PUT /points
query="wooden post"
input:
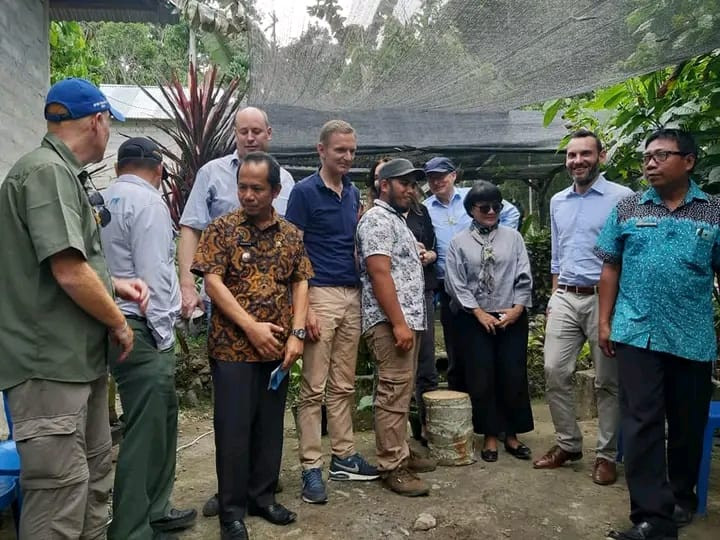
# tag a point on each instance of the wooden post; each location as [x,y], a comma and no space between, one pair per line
[449,427]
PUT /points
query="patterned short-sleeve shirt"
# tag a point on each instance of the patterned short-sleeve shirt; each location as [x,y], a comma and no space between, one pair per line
[383,231]
[258,267]
[667,260]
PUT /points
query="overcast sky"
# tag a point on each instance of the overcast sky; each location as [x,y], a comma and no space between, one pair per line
[293,18]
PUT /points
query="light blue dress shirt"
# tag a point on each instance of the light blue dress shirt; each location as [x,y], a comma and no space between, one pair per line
[668,260]
[576,221]
[450,219]
[139,242]
[214,192]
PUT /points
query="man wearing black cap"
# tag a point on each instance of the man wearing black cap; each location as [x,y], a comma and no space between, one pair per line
[139,243]
[393,315]
[56,315]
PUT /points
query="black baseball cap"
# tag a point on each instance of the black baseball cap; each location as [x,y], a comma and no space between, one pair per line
[398,167]
[140,148]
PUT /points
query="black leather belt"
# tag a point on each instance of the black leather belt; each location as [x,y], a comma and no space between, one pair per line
[578,289]
[134,317]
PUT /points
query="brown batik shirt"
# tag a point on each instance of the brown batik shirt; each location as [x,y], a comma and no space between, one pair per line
[258,267]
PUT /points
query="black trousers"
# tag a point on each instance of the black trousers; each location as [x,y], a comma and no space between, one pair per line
[494,372]
[249,423]
[426,378]
[447,319]
[654,387]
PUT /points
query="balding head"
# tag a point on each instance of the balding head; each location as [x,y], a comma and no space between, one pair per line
[252,131]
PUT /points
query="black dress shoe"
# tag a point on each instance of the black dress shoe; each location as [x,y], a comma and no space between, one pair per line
[212,507]
[275,513]
[643,531]
[174,520]
[681,516]
[520,451]
[490,456]
[233,530]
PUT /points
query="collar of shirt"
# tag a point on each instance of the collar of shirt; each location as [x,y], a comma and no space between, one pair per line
[387,207]
[136,180]
[694,192]
[243,218]
[320,184]
[437,202]
[56,144]
[598,186]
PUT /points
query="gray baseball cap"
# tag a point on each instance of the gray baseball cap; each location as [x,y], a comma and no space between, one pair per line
[401,167]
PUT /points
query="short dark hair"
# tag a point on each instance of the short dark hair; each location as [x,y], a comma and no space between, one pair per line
[582,133]
[370,182]
[272,165]
[481,191]
[684,140]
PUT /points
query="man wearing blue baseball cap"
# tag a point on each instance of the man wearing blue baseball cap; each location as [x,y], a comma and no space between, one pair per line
[449,217]
[56,317]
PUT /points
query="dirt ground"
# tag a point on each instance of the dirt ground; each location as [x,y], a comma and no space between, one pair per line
[498,501]
[502,500]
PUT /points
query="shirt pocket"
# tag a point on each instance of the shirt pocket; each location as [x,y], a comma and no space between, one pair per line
[700,259]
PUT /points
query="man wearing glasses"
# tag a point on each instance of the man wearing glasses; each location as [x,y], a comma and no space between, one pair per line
[660,251]
[449,217]
[577,214]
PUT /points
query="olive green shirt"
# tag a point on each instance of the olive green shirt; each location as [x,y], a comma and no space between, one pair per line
[44,209]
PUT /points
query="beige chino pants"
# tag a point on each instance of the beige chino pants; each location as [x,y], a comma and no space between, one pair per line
[573,319]
[328,371]
[396,379]
[62,433]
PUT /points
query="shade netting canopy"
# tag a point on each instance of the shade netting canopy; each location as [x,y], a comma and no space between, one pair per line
[414,63]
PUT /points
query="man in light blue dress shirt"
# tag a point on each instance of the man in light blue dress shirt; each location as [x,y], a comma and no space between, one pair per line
[449,217]
[577,215]
[139,242]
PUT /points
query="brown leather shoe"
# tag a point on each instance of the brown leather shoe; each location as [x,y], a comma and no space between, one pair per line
[604,472]
[555,457]
[421,464]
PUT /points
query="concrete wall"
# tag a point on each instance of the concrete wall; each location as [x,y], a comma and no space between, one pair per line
[25,69]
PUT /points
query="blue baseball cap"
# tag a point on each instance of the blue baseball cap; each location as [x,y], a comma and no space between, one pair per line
[439,164]
[81,98]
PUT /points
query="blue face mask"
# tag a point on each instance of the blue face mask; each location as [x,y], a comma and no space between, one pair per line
[276,378]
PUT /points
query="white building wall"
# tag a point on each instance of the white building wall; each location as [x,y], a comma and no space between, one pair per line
[25,69]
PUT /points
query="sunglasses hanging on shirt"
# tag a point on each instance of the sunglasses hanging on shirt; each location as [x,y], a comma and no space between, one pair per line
[96,200]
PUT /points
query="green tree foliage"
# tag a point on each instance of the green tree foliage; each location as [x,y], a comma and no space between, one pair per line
[686,96]
[70,54]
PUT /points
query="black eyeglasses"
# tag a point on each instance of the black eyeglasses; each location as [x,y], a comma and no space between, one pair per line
[485,208]
[661,156]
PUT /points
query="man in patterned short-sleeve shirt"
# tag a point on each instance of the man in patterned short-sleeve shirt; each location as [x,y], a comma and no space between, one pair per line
[393,314]
[661,251]
[254,264]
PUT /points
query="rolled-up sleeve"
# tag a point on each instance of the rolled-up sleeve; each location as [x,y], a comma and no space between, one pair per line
[554,244]
[522,291]
[152,248]
[456,279]
[609,245]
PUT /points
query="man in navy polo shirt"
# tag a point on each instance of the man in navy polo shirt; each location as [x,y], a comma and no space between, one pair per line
[325,207]
[661,251]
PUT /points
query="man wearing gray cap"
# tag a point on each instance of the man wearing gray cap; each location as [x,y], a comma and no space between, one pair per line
[56,315]
[393,315]
[139,242]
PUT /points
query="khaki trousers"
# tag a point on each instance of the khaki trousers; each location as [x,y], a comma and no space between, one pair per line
[396,379]
[328,371]
[573,319]
[62,433]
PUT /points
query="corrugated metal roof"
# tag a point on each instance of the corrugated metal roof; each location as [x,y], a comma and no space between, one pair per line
[133,102]
[155,11]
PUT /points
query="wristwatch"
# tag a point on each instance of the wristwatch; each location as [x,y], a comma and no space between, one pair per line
[299,333]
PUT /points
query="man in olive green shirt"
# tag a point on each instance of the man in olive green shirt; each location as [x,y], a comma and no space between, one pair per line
[56,314]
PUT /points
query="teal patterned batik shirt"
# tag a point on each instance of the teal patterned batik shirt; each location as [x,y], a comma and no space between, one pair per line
[668,260]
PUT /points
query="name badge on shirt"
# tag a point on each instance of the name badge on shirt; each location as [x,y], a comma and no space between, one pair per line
[646,224]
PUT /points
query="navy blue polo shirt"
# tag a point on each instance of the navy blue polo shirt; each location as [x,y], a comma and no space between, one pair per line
[328,223]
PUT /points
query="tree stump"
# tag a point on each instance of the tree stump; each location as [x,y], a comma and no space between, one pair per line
[585,399]
[449,427]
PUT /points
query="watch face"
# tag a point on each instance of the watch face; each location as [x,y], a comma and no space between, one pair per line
[299,333]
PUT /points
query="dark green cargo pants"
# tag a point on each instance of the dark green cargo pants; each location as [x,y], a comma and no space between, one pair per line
[145,469]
